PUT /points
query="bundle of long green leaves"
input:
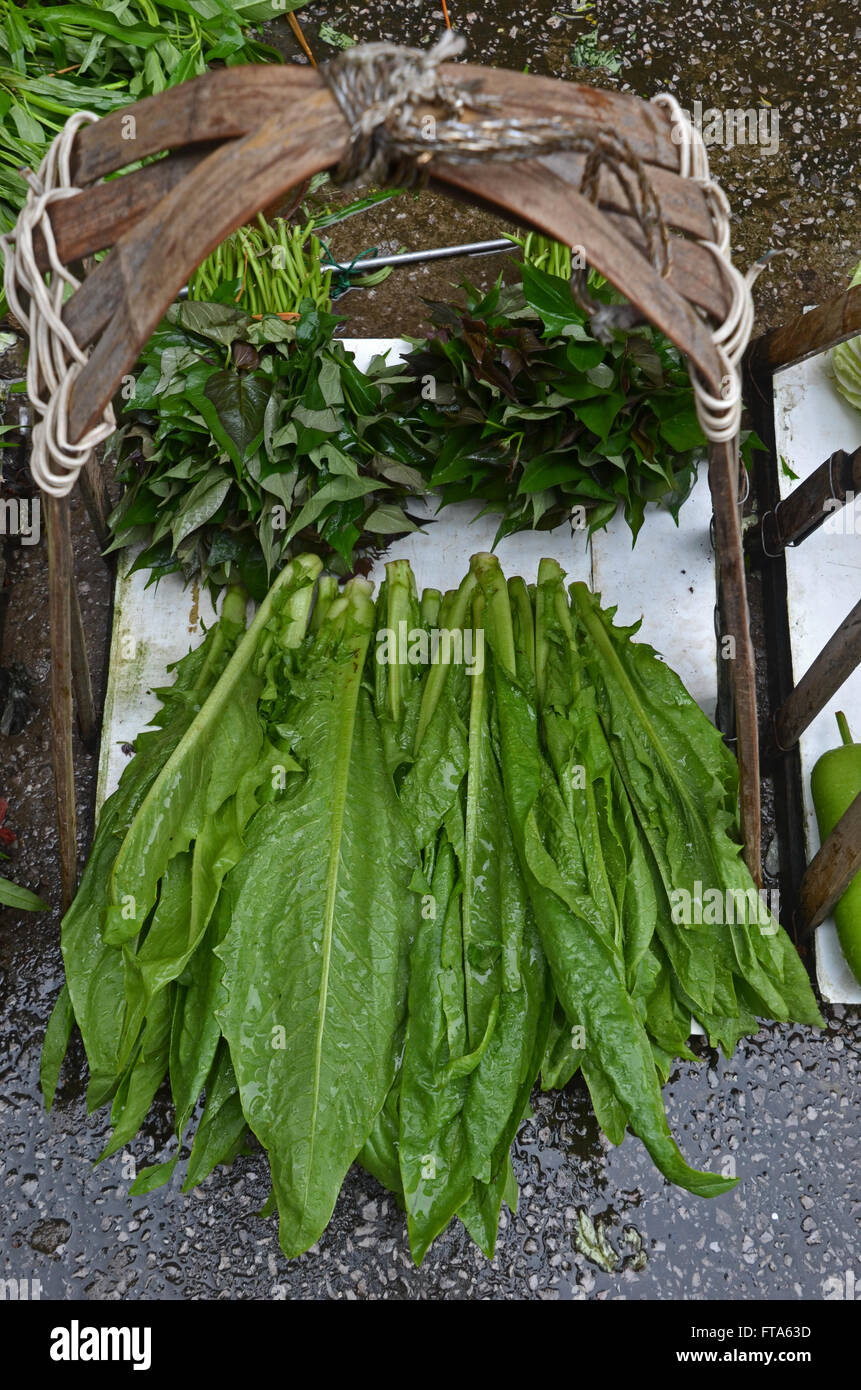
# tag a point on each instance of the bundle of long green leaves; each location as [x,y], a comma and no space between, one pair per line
[248,440]
[524,407]
[378,867]
[100,54]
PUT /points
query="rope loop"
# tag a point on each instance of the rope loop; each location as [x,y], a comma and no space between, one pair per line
[719,416]
[55,360]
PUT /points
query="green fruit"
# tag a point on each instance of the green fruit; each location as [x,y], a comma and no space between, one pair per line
[835,783]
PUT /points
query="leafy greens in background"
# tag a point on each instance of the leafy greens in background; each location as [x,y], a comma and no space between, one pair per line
[21,899]
[102,54]
[358,907]
[532,414]
[247,441]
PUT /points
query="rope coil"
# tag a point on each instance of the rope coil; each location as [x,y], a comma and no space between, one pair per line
[380,87]
[719,416]
[55,359]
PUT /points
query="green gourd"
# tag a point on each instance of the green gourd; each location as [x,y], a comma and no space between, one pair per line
[835,783]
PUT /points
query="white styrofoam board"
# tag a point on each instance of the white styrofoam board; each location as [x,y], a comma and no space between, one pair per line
[668,579]
[823,577]
[152,628]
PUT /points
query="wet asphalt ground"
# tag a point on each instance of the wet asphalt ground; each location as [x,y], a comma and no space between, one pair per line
[594,1222]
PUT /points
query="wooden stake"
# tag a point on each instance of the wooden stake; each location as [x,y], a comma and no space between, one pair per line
[83,686]
[60,581]
[95,496]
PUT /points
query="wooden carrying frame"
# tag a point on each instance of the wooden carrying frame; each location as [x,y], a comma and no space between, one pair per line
[812,893]
[239,138]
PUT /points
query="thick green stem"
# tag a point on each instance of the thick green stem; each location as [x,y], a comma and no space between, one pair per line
[472,814]
[401,601]
[524,622]
[327,592]
[430,607]
[455,612]
[843,726]
[497,619]
[550,573]
[232,611]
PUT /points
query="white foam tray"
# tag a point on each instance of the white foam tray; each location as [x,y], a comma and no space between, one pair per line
[823,577]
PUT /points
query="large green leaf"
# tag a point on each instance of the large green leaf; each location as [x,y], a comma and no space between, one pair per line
[223,742]
[315,958]
[682,781]
[478,1001]
[587,971]
[96,970]
[240,399]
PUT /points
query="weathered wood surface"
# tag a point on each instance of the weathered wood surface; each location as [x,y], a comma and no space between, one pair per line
[228,104]
[543,198]
[128,293]
[823,678]
[99,216]
[807,334]
[197,205]
[734,623]
[809,505]
[60,582]
[82,685]
[832,868]
[96,498]
[222,105]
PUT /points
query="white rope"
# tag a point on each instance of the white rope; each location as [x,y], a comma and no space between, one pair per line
[55,359]
[719,416]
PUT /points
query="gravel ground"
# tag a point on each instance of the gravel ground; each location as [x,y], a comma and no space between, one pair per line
[594,1222]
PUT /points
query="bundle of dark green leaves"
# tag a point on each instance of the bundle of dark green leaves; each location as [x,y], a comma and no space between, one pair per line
[377,867]
[525,408]
[247,440]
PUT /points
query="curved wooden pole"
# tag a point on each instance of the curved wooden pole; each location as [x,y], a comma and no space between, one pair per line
[735,624]
[100,216]
[539,196]
[61,579]
[226,105]
[166,245]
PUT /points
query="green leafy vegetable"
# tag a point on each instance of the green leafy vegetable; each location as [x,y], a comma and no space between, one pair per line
[102,54]
[247,442]
[21,899]
[315,958]
[267,268]
[377,868]
[531,413]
